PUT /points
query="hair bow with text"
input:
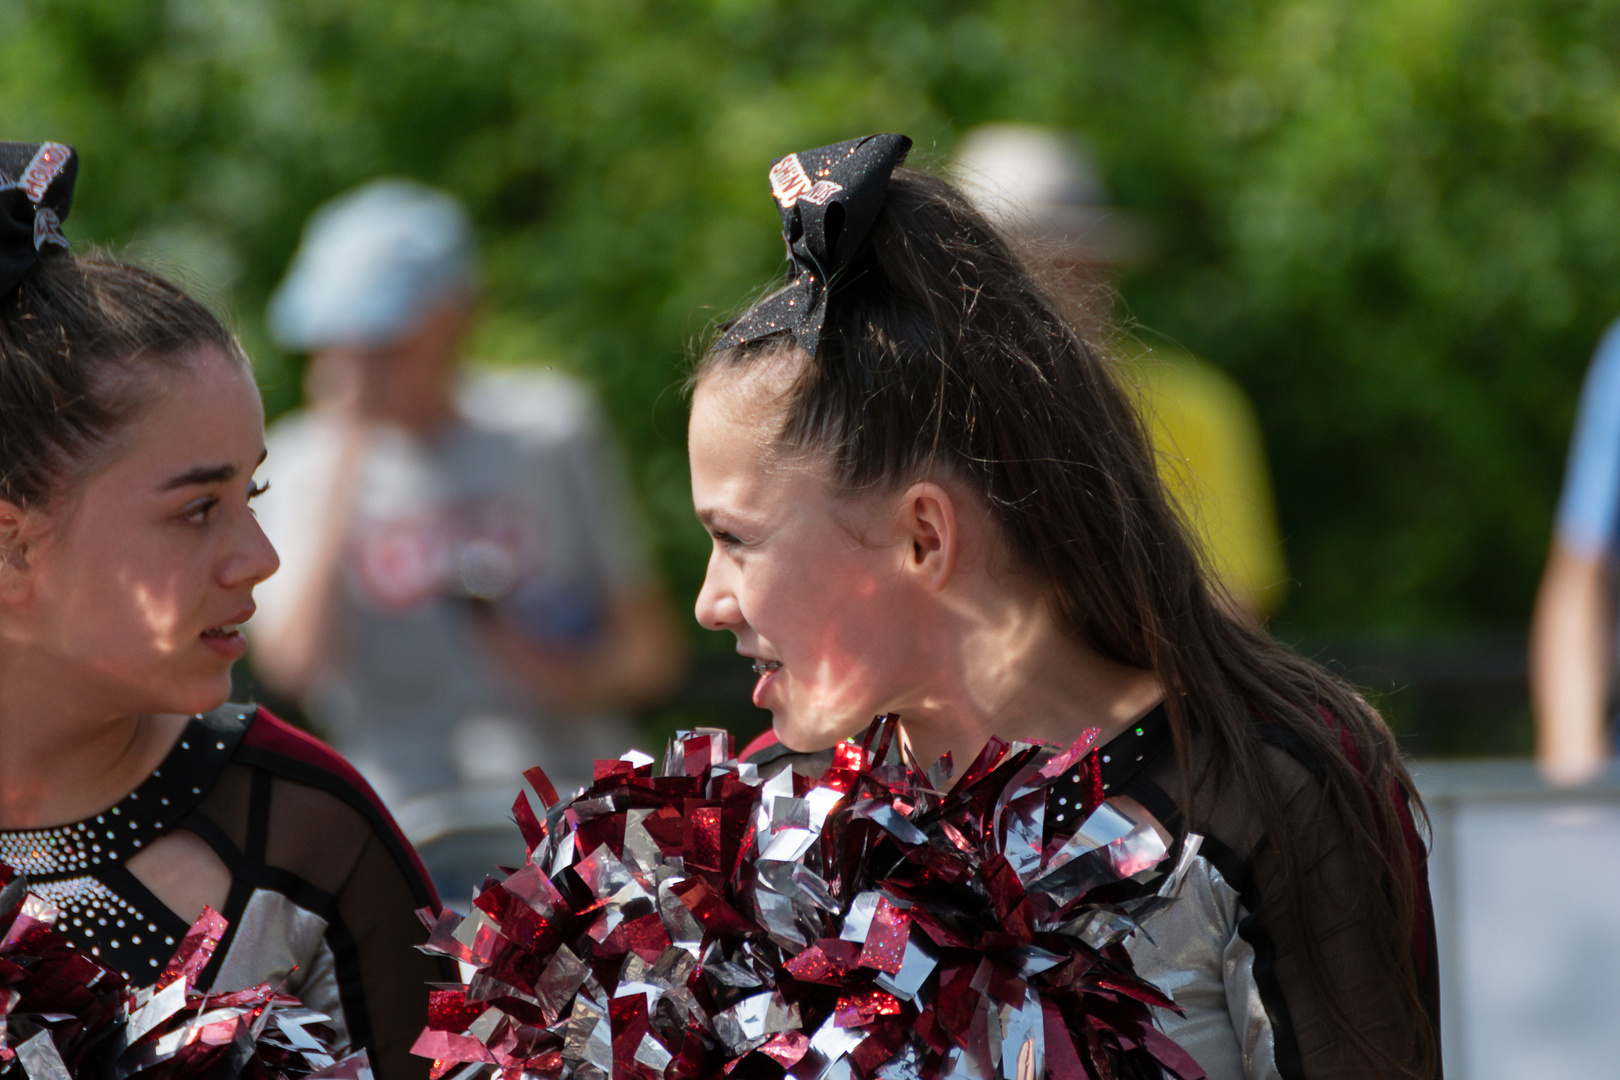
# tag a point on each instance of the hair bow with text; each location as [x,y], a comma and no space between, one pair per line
[36,192]
[829,197]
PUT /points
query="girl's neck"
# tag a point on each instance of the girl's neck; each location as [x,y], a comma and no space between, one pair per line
[58,766]
[1021,677]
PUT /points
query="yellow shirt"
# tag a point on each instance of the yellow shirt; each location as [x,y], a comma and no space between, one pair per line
[1213,462]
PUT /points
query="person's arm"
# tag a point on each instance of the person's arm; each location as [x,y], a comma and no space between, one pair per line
[637,659]
[291,635]
[638,653]
[1571,642]
[379,957]
[1348,921]
[310,829]
[1572,631]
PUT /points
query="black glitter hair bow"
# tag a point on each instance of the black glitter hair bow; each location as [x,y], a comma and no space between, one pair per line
[36,192]
[829,198]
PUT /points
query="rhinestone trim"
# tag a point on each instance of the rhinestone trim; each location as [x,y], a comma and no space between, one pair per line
[78,866]
[120,831]
[1122,757]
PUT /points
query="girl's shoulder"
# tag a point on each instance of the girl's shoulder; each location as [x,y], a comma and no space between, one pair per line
[300,787]
[1215,790]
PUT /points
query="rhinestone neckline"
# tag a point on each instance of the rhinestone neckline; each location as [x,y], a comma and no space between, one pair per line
[94,843]
[1121,758]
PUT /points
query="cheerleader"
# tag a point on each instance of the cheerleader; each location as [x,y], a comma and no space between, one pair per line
[131,795]
[927,497]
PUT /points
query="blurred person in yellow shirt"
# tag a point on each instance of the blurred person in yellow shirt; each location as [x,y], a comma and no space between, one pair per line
[1044,193]
[1213,461]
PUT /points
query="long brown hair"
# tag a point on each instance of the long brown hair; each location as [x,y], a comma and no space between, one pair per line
[941,350]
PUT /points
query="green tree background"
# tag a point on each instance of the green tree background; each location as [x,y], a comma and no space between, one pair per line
[1396,222]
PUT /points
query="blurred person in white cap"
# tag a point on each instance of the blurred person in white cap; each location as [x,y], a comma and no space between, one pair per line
[1043,191]
[464,592]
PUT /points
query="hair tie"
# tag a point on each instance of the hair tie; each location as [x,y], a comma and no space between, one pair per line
[829,197]
[36,192]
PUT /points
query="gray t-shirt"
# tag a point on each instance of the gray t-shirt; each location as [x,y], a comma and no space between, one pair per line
[523,506]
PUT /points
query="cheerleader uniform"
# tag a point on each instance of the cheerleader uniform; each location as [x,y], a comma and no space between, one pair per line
[323,893]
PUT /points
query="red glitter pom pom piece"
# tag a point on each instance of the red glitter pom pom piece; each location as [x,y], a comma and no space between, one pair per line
[64,1016]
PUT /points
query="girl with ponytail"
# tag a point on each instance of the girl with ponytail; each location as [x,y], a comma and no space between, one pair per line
[928,497]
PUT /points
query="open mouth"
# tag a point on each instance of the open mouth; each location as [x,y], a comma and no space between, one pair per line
[766,671]
[226,639]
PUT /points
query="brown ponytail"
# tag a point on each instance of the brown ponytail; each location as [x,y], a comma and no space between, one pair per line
[941,352]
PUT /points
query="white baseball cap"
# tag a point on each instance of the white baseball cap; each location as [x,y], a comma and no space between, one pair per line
[371,264]
[1036,184]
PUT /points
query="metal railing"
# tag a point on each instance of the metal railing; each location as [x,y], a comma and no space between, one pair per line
[1526,884]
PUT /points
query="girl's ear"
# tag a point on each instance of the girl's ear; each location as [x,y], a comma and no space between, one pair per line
[928,523]
[19,531]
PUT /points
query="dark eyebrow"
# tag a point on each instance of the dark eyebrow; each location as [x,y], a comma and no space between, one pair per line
[204,474]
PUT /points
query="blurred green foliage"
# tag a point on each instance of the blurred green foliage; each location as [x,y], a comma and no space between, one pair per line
[1397,222]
